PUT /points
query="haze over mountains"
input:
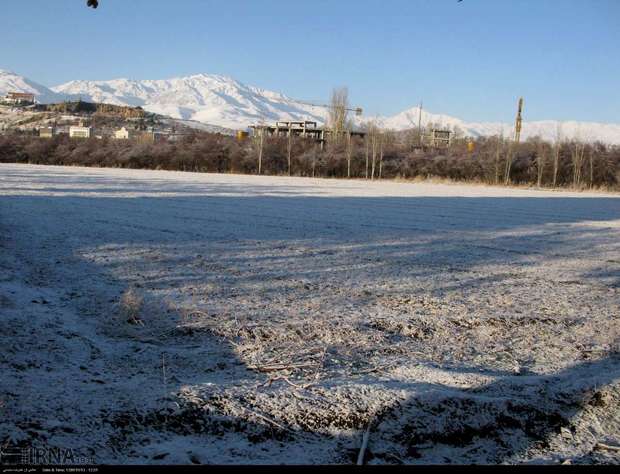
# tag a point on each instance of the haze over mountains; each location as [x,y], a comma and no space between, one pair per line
[225,102]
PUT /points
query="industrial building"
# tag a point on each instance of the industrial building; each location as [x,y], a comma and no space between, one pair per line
[304,129]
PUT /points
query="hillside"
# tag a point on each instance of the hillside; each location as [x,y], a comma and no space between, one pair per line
[11,82]
[221,101]
[204,98]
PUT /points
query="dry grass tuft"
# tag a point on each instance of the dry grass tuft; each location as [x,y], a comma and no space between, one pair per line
[130,306]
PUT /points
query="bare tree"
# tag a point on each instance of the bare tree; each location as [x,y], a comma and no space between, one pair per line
[259,143]
[314,159]
[374,141]
[387,140]
[415,134]
[556,154]
[349,153]
[509,159]
[499,145]
[577,153]
[289,149]
[541,158]
[367,143]
[591,160]
[338,113]
[374,138]
[381,150]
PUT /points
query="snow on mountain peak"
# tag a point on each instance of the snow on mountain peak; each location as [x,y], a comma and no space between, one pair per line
[208,98]
[12,82]
[223,101]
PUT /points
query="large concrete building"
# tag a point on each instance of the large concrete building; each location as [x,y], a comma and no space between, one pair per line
[80,132]
[304,129]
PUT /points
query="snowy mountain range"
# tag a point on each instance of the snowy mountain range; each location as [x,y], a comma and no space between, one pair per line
[225,102]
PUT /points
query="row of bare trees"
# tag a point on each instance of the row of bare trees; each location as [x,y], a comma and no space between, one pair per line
[380,154]
[567,163]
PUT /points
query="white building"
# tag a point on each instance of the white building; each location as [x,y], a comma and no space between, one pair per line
[80,132]
[47,132]
[18,98]
[123,134]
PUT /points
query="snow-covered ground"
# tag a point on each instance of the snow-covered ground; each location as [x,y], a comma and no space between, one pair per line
[161,317]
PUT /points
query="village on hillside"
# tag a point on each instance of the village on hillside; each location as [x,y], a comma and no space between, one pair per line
[20,112]
[84,120]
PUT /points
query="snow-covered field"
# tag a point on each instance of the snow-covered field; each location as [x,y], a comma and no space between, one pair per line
[160,317]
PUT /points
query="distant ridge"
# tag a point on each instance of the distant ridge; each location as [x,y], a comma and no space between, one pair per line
[225,102]
[11,82]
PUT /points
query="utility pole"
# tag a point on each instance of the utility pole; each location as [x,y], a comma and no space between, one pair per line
[519,121]
[517,139]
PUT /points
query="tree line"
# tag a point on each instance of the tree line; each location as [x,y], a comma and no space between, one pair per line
[379,155]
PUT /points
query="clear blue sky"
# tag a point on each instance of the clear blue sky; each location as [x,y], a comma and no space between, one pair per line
[470,59]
